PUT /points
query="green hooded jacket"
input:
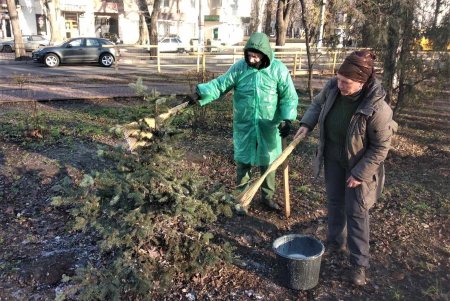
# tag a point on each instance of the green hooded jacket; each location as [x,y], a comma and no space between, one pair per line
[262,99]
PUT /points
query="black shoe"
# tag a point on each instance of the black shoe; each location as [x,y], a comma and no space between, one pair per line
[332,248]
[270,204]
[358,275]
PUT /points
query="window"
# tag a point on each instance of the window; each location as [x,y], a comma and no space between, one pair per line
[76,43]
[92,43]
[37,38]
[165,3]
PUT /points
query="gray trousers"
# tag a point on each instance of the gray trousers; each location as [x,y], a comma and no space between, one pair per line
[348,221]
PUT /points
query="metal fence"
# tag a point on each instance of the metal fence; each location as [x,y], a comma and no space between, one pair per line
[219,59]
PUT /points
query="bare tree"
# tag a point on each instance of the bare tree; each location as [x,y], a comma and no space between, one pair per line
[19,46]
[308,51]
[53,14]
[151,20]
[437,11]
[270,5]
[153,25]
[255,19]
[284,10]
[144,21]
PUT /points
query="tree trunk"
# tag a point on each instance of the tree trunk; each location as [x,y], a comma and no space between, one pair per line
[53,13]
[283,16]
[390,60]
[144,20]
[308,51]
[437,10]
[268,23]
[405,56]
[152,26]
[255,16]
[18,42]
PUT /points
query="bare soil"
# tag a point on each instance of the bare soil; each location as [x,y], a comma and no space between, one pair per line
[409,225]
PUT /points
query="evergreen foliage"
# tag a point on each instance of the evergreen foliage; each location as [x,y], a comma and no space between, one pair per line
[151,223]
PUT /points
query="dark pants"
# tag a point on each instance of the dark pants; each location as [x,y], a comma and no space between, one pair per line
[348,221]
[243,176]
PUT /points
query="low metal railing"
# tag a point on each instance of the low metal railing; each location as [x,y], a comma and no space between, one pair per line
[325,61]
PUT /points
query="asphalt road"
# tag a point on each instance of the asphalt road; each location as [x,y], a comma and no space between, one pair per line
[68,69]
[24,81]
[28,81]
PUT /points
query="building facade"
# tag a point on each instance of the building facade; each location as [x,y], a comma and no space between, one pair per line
[223,20]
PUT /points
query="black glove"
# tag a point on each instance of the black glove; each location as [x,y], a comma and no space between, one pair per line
[193,99]
[285,128]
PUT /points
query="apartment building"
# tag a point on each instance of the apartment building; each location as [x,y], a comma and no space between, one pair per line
[224,20]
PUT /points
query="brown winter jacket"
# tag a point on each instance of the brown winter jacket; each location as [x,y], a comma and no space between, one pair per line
[368,137]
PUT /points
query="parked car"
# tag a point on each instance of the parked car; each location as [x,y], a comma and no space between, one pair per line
[78,50]
[171,44]
[31,42]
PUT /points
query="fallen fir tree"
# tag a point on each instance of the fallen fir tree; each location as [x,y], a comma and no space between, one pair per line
[150,223]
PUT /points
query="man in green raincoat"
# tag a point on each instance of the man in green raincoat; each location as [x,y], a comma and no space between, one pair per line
[264,101]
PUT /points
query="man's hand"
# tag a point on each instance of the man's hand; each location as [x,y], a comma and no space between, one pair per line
[352,182]
[193,99]
[302,130]
[285,128]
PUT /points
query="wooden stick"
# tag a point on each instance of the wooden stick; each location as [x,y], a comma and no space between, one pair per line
[171,112]
[247,195]
[287,199]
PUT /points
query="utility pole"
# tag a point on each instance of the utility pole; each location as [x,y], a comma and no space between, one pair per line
[322,23]
[201,25]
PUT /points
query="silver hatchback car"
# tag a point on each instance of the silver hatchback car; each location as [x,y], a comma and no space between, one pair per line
[30,42]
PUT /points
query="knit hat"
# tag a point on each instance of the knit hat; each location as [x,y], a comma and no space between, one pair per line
[358,66]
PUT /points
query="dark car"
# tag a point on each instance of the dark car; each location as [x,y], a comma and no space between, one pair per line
[78,50]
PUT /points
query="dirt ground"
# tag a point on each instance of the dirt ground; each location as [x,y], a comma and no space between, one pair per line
[409,224]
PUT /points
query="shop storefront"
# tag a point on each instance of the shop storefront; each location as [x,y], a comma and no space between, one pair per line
[106,14]
[5,23]
[72,14]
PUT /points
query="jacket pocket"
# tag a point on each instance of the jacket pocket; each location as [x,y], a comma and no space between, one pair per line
[366,193]
[317,162]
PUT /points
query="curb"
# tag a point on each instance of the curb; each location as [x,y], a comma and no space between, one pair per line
[14,62]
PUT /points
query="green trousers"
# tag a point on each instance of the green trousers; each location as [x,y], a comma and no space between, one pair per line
[243,176]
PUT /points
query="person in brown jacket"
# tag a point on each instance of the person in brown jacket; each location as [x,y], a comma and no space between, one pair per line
[355,135]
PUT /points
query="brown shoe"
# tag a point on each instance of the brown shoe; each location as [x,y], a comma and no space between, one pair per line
[358,275]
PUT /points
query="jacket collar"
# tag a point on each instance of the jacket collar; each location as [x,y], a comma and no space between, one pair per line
[371,99]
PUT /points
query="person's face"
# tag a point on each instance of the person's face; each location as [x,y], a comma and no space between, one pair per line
[348,86]
[254,58]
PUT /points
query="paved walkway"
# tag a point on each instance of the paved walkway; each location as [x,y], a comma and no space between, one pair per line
[48,93]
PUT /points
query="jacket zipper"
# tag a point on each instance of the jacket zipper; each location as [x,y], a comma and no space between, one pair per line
[255,119]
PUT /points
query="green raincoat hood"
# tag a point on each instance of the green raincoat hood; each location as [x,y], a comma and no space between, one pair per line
[260,42]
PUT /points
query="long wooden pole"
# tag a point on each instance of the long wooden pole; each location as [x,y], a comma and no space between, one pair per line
[287,199]
[245,198]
